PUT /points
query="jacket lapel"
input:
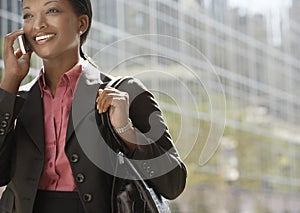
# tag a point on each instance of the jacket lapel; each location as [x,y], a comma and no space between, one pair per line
[83,103]
[84,97]
[32,117]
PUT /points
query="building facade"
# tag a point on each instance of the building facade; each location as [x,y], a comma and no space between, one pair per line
[200,58]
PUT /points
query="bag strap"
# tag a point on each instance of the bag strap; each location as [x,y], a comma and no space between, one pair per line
[157,203]
[115,83]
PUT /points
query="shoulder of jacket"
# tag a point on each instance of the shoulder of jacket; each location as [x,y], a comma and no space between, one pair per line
[132,83]
[27,87]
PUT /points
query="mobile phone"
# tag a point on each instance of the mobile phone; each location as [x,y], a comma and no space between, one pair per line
[24,44]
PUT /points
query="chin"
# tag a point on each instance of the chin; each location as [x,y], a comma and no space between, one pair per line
[45,55]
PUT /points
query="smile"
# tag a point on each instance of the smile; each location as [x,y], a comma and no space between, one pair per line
[44,37]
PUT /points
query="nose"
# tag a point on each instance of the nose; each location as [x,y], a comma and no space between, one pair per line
[40,22]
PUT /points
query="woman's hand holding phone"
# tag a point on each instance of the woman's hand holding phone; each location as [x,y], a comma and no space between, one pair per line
[16,64]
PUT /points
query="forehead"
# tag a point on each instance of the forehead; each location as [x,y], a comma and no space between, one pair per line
[32,3]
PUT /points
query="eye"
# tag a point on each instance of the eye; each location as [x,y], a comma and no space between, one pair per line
[52,10]
[27,16]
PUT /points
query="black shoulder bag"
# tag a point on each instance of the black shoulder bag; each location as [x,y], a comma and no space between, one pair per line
[131,195]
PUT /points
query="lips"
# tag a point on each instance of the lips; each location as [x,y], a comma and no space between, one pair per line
[45,37]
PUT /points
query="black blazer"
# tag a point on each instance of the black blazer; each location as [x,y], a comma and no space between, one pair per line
[22,145]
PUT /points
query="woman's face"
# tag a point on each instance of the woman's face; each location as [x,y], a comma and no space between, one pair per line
[51,27]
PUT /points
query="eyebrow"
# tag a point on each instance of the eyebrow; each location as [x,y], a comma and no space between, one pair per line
[48,2]
[26,8]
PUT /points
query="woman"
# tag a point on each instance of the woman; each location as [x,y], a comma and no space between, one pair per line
[41,158]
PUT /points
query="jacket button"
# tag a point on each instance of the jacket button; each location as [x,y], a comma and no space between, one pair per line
[148,169]
[6,116]
[151,173]
[74,158]
[4,124]
[80,178]
[87,197]
[144,165]
[2,132]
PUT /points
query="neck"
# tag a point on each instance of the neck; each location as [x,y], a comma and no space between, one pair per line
[54,69]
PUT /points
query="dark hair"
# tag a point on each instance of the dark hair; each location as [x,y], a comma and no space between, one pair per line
[83,7]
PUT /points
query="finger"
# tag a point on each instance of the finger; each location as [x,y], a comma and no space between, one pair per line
[27,56]
[104,92]
[10,39]
[112,100]
[99,98]
[109,97]
[105,103]
[99,94]
[18,53]
[120,103]
[110,90]
[100,91]
[98,102]
[120,97]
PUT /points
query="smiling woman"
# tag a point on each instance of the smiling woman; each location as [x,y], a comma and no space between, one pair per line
[53,30]
[41,160]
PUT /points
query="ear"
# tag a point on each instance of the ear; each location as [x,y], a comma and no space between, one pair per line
[83,23]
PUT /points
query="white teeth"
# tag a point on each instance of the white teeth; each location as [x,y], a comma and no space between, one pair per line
[43,37]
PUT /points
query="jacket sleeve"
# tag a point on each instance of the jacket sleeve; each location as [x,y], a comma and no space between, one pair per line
[9,108]
[155,157]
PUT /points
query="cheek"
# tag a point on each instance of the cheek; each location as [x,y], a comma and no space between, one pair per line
[68,26]
[73,26]
[73,30]
[26,27]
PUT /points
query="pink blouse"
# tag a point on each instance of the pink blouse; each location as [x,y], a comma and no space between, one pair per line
[57,173]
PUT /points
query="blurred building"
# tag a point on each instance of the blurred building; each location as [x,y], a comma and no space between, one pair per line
[261,82]
[10,18]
